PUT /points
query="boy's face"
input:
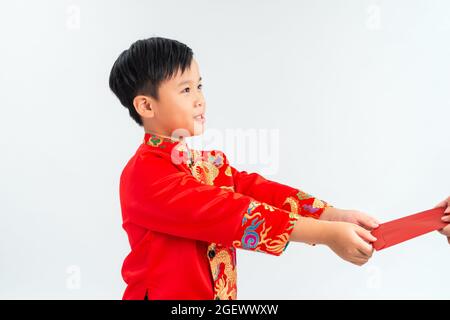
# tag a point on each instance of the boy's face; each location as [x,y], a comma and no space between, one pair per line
[181,105]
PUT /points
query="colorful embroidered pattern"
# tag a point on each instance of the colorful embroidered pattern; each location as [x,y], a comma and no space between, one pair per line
[155,141]
[228,171]
[205,172]
[216,159]
[223,269]
[250,239]
[305,205]
[257,236]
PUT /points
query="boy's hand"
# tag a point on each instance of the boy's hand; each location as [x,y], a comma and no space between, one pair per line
[350,242]
[352,216]
[446,218]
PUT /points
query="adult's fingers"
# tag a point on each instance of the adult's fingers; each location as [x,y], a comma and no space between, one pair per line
[445,231]
[443,203]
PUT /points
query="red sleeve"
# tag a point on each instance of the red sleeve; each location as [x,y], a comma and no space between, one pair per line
[155,194]
[277,194]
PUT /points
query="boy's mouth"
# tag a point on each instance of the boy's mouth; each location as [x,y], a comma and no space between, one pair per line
[200,118]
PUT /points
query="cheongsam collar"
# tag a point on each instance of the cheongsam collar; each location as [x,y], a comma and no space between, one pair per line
[176,148]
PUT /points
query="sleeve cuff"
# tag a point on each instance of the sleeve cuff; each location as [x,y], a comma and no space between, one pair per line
[305,205]
[265,228]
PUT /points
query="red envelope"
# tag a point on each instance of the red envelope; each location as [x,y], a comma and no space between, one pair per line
[397,231]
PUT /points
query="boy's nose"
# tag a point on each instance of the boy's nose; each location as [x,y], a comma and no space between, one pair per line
[199,104]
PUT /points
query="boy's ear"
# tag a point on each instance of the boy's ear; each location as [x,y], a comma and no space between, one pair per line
[144,106]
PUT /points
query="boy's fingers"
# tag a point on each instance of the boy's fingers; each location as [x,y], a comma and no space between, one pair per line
[366,235]
[368,221]
[362,253]
[375,220]
[359,261]
[365,254]
[365,249]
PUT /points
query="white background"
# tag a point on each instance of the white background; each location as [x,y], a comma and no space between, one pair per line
[358,92]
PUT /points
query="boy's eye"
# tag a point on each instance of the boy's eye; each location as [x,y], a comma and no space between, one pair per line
[187,88]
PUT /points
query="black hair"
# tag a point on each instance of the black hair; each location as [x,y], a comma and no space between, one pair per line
[144,66]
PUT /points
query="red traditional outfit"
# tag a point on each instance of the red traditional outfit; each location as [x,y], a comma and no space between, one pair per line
[186,211]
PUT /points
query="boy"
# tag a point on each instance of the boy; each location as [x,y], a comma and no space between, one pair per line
[186,211]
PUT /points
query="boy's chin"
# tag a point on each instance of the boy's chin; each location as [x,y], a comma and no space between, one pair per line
[198,130]
[197,133]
